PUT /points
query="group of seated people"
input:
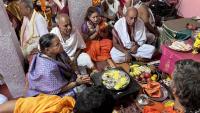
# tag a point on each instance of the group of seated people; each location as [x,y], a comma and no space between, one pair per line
[97,99]
[132,30]
[55,56]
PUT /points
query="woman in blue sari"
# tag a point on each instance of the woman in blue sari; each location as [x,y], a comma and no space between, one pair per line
[50,72]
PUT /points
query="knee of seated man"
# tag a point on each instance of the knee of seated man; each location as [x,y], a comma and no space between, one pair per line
[150,47]
[118,59]
[3,99]
[85,60]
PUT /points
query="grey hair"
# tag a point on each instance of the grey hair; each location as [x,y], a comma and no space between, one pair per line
[28,3]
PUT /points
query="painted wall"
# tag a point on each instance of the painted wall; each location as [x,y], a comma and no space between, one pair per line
[189,8]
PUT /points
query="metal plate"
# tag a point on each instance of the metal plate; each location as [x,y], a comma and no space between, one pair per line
[164,94]
[111,82]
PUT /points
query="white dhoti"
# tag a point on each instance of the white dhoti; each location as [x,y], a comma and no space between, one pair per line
[85,60]
[144,51]
[3,99]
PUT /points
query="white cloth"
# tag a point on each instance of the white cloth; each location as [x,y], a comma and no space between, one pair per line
[3,99]
[85,60]
[140,34]
[144,51]
[113,8]
[72,44]
[31,31]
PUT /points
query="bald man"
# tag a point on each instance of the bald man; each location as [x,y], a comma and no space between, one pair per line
[72,42]
[129,38]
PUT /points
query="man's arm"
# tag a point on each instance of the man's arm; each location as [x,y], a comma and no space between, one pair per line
[109,17]
[105,14]
[144,15]
[116,44]
[120,11]
[79,80]
[78,52]
[121,48]
[8,107]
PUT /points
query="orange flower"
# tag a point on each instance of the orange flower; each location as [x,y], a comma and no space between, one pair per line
[96,2]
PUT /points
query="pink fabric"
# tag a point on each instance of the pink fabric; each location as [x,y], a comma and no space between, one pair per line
[122,2]
[172,1]
[188,8]
[169,58]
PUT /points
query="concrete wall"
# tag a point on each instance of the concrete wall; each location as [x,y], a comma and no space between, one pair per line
[11,58]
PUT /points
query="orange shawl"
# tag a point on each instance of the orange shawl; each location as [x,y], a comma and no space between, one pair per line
[99,50]
[45,104]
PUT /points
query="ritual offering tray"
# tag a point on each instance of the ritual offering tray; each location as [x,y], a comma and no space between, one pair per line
[180,46]
[143,73]
[118,82]
[155,91]
[115,79]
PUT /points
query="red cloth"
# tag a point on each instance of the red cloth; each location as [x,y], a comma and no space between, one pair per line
[158,108]
[152,89]
[99,50]
[169,58]
[154,108]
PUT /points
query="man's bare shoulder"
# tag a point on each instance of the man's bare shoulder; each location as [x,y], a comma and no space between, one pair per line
[143,8]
